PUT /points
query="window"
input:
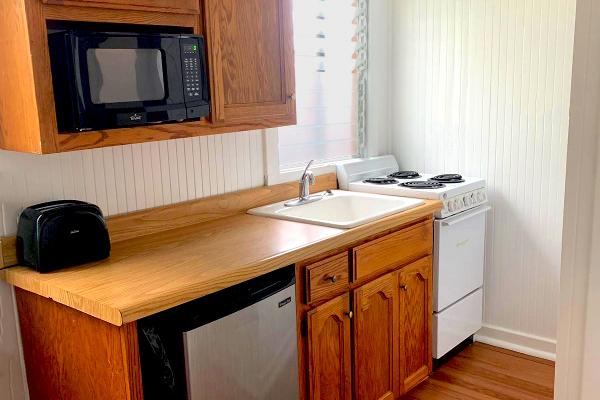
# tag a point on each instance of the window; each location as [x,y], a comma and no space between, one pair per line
[330,66]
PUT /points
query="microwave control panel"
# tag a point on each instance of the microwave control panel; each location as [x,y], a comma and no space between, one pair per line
[192,78]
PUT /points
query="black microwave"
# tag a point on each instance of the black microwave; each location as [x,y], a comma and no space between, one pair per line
[107,80]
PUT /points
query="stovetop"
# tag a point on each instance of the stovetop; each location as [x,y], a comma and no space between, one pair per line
[427,186]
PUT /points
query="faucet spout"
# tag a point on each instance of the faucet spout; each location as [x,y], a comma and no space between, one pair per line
[307,179]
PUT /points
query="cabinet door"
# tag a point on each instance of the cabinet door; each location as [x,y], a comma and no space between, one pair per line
[376,332]
[329,351]
[415,288]
[251,60]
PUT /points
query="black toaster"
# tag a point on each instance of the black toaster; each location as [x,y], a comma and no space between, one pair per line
[61,234]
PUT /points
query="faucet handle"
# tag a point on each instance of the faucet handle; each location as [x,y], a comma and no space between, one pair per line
[311,178]
[307,167]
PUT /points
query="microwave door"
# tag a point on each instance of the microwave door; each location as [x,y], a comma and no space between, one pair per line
[129,80]
[125,75]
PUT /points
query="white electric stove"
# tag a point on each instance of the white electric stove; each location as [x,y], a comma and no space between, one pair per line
[459,239]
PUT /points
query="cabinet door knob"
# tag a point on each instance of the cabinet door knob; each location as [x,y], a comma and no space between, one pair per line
[349,314]
[332,278]
[292,96]
[404,287]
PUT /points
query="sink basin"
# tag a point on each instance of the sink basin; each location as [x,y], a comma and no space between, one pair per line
[340,209]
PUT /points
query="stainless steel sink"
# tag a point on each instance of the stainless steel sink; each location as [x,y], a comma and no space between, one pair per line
[340,209]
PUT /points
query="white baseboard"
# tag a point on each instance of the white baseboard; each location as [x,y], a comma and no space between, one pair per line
[520,342]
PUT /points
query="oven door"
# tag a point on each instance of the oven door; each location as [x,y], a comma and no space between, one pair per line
[459,256]
[128,79]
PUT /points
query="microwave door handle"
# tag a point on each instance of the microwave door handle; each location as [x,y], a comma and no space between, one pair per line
[462,218]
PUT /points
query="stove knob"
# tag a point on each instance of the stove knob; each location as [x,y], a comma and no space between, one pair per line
[457,205]
[481,197]
[467,201]
[450,206]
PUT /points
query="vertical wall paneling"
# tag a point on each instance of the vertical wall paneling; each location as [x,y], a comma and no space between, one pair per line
[482,88]
[128,178]
[219,164]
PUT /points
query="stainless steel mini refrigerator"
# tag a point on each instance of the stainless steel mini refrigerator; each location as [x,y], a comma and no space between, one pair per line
[250,354]
[237,343]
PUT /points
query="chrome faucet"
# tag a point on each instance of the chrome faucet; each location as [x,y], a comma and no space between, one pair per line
[307,179]
[304,197]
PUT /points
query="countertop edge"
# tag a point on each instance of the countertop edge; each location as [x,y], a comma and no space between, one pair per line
[95,308]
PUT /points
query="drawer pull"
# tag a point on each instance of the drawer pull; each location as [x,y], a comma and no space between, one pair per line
[404,287]
[327,278]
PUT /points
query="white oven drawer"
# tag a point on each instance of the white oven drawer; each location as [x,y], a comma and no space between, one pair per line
[459,256]
[457,323]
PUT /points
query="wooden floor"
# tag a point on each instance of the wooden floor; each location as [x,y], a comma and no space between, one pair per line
[485,372]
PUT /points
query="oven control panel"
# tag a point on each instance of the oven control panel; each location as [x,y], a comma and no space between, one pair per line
[462,202]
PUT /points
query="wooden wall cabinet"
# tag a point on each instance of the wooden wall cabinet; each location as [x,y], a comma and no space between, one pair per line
[250,63]
[252,60]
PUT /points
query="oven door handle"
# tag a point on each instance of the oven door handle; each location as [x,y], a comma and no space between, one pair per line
[453,221]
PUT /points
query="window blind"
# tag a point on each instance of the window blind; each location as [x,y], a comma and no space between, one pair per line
[330,51]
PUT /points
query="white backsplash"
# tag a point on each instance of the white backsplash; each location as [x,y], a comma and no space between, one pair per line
[127,178]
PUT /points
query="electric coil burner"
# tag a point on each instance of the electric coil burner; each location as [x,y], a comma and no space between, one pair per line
[405,175]
[448,178]
[381,181]
[422,185]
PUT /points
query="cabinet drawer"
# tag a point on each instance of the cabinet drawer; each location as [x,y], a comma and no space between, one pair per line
[393,250]
[327,277]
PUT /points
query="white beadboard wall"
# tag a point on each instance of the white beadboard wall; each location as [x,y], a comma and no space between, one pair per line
[127,178]
[118,179]
[482,87]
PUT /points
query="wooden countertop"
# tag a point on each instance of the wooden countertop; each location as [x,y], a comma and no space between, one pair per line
[149,274]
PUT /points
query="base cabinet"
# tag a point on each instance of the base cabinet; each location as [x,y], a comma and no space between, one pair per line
[380,348]
[329,352]
[358,338]
[415,288]
[70,355]
[376,342]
